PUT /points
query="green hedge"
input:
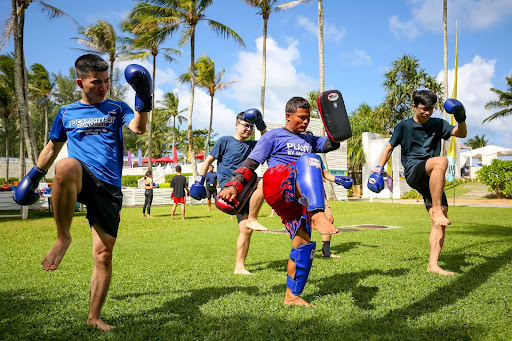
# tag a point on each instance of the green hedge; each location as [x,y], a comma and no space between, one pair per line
[10,180]
[164,185]
[130,180]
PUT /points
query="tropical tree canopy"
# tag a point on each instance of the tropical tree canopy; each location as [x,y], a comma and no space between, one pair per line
[504,102]
[477,142]
[400,82]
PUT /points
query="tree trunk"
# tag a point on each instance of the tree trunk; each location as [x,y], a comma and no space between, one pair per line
[191,104]
[21,169]
[445,55]
[6,122]
[264,66]
[45,142]
[329,190]
[20,82]
[112,59]
[149,125]
[207,149]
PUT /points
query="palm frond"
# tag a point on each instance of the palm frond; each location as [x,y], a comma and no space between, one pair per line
[290,4]
[225,32]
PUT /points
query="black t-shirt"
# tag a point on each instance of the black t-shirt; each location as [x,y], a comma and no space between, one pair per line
[178,183]
[419,142]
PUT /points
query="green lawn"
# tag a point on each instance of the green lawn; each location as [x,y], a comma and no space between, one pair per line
[174,279]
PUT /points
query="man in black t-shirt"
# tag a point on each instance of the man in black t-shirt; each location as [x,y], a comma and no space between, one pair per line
[178,188]
[420,140]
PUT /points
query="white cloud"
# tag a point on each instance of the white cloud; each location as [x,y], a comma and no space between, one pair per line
[474,81]
[473,15]
[283,80]
[331,32]
[360,57]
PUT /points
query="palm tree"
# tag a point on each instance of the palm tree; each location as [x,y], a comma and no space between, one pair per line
[101,38]
[504,102]
[40,87]
[477,142]
[265,8]
[312,99]
[401,81]
[209,80]
[147,45]
[445,60]
[15,26]
[169,105]
[8,105]
[186,14]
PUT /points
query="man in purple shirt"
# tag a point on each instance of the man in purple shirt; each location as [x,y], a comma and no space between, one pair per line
[293,187]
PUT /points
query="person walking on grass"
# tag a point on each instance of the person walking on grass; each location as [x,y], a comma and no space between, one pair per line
[178,188]
[91,174]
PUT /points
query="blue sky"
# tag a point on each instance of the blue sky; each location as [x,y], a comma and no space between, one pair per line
[362,38]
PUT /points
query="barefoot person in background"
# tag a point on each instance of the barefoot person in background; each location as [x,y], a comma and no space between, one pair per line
[230,152]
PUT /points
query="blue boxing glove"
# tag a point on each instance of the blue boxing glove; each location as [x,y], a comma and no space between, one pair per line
[197,190]
[344,180]
[376,181]
[25,193]
[455,107]
[140,80]
[254,116]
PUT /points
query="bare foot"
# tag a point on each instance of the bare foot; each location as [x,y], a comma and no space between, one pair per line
[291,299]
[99,324]
[332,256]
[436,269]
[255,225]
[143,215]
[243,271]
[439,218]
[320,223]
[149,216]
[53,258]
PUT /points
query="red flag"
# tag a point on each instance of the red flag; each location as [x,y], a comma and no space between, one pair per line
[174,155]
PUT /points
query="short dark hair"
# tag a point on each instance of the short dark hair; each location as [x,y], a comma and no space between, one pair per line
[296,103]
[426,97]
[89,62]
[240,117]
[178,169]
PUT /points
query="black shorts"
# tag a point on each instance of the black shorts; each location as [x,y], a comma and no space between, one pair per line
[419,180]
[245,210]
[103,201]
[211,191]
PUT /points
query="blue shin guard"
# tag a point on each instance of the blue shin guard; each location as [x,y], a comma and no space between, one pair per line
[303,259]
[310,181]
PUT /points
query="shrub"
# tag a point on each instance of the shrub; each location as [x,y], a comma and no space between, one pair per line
[410,195]
[164,185]
[497,175]
[169,177]
[130,180]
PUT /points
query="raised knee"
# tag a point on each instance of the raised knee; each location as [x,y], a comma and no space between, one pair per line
[67,170]
[443,163]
